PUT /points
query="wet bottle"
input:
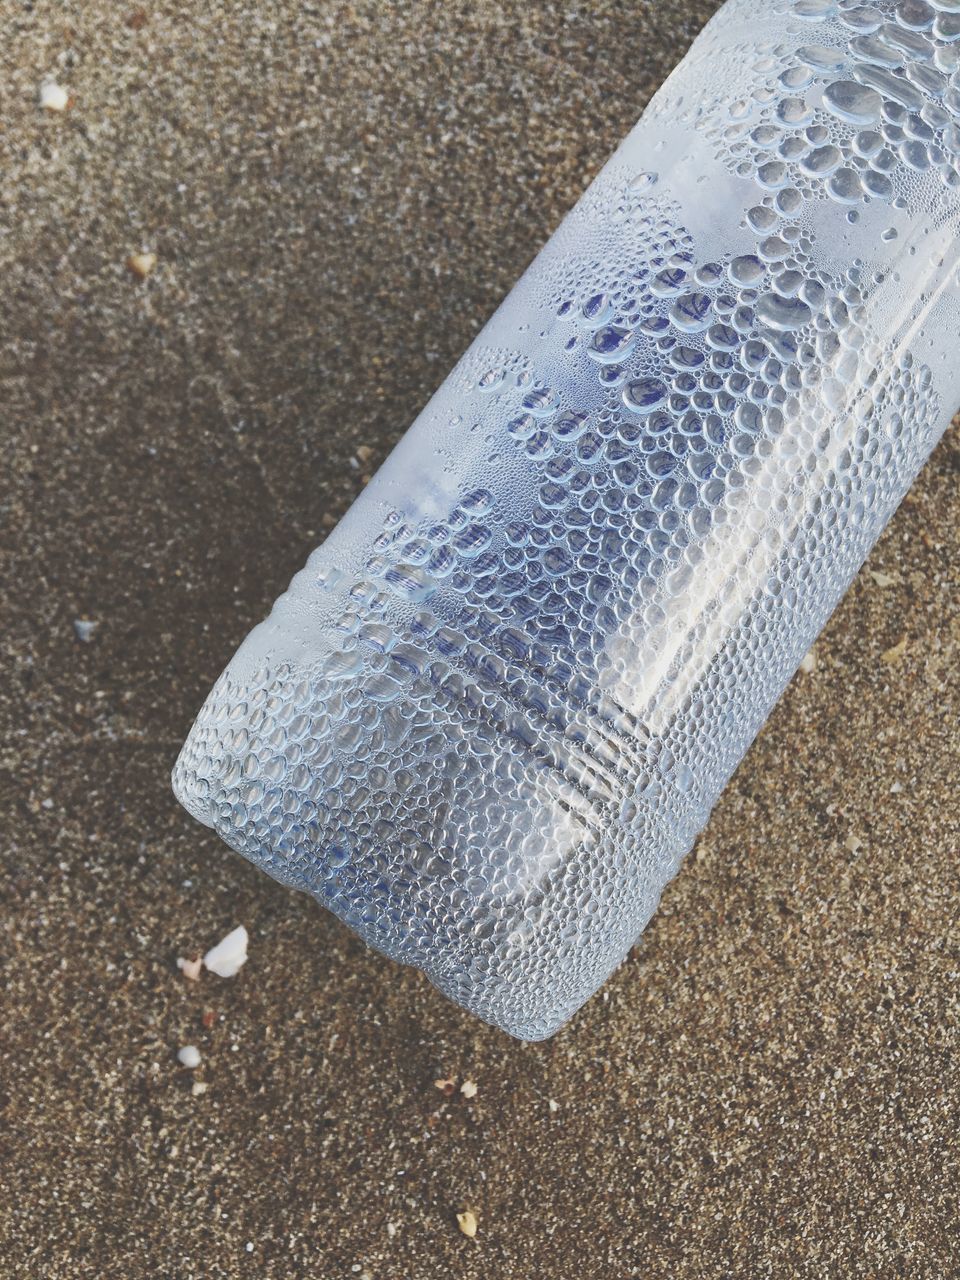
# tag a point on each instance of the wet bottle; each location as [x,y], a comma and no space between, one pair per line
[489,717]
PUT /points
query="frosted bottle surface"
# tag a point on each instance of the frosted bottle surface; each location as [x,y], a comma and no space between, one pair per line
[489,717]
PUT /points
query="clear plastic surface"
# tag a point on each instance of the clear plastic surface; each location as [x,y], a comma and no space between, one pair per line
[487,720]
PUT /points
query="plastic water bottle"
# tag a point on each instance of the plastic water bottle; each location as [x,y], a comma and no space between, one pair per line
[487,720]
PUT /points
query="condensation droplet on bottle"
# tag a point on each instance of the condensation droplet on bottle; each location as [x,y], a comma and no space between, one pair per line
[643,395]
[853,102]
[783,314]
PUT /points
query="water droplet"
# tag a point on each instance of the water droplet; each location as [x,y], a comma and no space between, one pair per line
[643,181]
[862,18]
[658,465]
[442,562]
[821,57]
[852,102]
[596,311]
[874,49]
[748,417]
[469,542]
[793,148]
[772,175]
[668,283]
[382,689]
[476,502]
[766,136]
[570,425]
[556,561]
[867,143]
[813,293]
[523,427]
[794,111]
[845,186]
[914,154]
[710,274]
[822,161]
[644,395]
[746,270]
[761,219]
[343,664]
[611,344]
[783,314]
[691,313]
[686,358]
[774,249]
[541,402]
[795,78]
[915,15]
[881,81]
[722,338]
[409,582]
[877,184]
[814,10]
[789,282]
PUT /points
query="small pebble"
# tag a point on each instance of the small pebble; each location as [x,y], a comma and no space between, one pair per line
[808,663]
[190,968]
[141,264]
[467,1223]
[84,629]
[883,579]
[469,1089]
[189,1056]
[554,1106]
[229,955]
[199,1087]
[53,97]
[446,1087]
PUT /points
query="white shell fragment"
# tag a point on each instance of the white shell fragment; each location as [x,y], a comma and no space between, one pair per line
[189,1056]
[53,97]
[228,955]
[190,968]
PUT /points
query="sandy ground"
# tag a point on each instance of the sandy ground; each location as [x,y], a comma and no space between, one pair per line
[337,196]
